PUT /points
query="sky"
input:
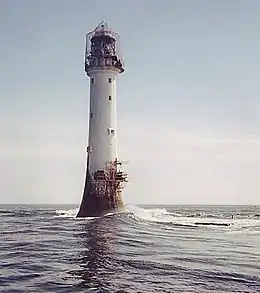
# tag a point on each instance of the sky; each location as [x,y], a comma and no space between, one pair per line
[187,105]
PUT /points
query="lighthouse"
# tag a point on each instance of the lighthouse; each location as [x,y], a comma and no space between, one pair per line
[104,179]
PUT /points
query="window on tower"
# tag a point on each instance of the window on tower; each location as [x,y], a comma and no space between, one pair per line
[89,149]
[92,80]
[91,115]
[110,80]
[111,131]
[109,98]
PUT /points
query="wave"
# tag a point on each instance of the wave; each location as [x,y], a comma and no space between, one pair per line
[162,216]
[71,213]
[152,215]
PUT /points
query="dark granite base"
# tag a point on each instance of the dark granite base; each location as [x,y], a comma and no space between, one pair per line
[96,205]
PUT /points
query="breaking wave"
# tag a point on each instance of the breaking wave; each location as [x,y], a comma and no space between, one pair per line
[162,216]
[71,213]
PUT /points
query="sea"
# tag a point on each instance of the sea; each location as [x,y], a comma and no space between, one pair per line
[144,249]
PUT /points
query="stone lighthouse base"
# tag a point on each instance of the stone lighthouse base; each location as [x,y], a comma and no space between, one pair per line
[102,194]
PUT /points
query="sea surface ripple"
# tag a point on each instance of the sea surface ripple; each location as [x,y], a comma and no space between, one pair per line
[145,249]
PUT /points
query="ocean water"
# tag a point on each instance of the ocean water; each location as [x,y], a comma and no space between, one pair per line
[145,249]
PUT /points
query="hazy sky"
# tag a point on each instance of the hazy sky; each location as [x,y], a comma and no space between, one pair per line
[188,103]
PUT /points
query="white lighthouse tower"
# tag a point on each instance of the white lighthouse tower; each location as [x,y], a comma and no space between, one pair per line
[104,180]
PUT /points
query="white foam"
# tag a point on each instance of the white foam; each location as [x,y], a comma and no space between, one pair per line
[162,216]
[71,213]
[152,215]
[158,215]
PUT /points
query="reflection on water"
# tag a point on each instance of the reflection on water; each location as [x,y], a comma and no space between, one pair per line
[145,251]
[94,259]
